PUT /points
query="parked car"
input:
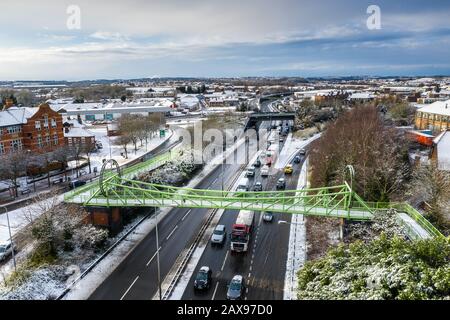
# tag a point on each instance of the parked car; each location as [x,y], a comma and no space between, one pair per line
[6,249]
[219,235]
[268,216]
[236,288]
[281,183]
[288,169]
[257,186]
[297,159]
[203,279]
[76,183]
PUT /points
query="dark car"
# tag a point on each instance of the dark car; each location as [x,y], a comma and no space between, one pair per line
[257,186]
[236,288]
[297,159]
[281,183]
[76,183]
[203,279]
[257,163]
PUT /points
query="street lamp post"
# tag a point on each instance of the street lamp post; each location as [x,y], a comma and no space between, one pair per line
[10,238]
[157,256]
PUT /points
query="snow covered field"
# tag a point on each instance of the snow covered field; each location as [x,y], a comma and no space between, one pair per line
[116,150]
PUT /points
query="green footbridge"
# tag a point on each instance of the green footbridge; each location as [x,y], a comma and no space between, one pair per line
[117,188]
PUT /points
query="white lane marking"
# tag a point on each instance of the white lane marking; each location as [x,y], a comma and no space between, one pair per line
[224,260]
[129,288]
[171,233]
[184,217]
[251,268]
[215,290]
[153,257]
[249,275]
[215,180]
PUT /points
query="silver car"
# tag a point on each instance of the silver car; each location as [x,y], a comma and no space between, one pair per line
[236,288]
[219,235]
[5,249]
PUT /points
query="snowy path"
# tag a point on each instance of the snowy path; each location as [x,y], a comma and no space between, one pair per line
[413,227]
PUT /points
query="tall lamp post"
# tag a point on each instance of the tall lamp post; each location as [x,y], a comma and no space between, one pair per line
[10,238]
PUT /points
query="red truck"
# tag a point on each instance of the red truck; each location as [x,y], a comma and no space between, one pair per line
[241,231]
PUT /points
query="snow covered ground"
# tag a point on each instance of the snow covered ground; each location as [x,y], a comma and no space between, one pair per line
[290,148]
[116,150]
[413,226]
[297,244]
[18,218]
[84,288]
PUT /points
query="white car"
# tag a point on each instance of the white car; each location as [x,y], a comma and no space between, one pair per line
[268,216]
[5,249]
[265,171]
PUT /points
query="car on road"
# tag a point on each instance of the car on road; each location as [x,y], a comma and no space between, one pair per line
[6,248]
[281,139]
[297,159]
[288,169]
[281,183]
[250,172]
[236,288]
[265,171]
[302,152]
[268,216]
[203,278]
[257,186]
[219,235]
[257,163]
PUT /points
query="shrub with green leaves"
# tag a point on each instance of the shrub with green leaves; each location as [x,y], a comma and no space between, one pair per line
[386,268]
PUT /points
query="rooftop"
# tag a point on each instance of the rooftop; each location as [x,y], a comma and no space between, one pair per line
[438,107]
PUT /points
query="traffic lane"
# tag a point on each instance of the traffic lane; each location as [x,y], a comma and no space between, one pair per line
[223,262]
[245,264]
[127,271]
[267,281]
[213,257]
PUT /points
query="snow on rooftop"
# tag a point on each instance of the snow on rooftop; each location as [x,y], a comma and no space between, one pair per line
[443,151]
[438,107]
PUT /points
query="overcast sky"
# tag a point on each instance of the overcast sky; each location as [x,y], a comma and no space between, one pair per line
[157,38]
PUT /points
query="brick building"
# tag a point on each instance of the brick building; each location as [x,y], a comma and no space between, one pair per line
[36,129]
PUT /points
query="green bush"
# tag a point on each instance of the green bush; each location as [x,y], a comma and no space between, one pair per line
[386,268]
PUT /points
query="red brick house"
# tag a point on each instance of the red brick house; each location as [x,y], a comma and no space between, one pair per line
[36,129]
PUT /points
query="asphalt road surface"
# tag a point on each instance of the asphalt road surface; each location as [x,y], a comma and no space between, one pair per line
[264,265]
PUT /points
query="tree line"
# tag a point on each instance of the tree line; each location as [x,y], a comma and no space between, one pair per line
[135,128]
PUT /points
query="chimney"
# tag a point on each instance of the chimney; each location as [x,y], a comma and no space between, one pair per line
[8,103]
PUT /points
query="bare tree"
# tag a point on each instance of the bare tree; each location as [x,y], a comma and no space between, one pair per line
[123,141]
[360,138]
[12,166]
